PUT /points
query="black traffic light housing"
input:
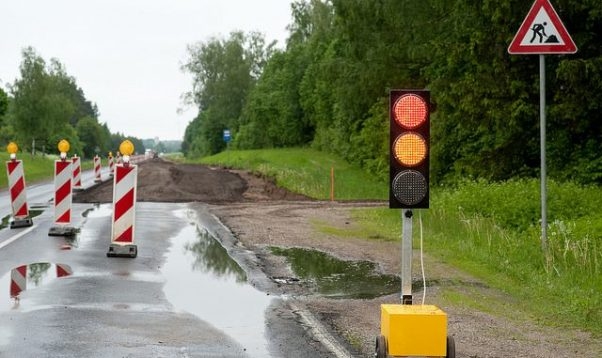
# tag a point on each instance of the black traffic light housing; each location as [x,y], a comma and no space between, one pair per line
[409,147]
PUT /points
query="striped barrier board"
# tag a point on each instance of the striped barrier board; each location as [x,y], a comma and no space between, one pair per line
[18,281]
[77,173]
[97,165]
[18,197]
[111,165]
[62,199]
[63,270]
[35,273]
[124,211]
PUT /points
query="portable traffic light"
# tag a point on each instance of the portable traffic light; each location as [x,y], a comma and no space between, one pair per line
[409,112]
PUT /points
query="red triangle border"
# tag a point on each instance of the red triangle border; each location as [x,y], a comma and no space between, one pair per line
[568,47]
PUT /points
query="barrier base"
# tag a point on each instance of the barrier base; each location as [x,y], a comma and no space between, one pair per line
[98,181]
[17,223]
[78,188]
[62,231]
[115,250]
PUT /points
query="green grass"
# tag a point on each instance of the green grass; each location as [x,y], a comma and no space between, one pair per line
[490,230]
[305,171]
[36,167]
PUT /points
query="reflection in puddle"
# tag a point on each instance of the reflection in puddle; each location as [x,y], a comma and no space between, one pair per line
[6,220]
[212,258]
[337,278]
[27,277]
[203,280]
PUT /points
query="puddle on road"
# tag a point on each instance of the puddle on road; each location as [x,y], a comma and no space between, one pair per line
[28,277]
[203,280]
[6,220]
[337,278]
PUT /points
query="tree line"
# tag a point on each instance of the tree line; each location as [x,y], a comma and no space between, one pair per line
[45,105]
[328,87]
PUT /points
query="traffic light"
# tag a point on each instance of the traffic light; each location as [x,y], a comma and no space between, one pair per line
[409,112]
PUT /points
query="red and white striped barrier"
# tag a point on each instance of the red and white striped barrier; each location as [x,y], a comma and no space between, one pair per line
[37,276]
[97,178]
[77,173]
[111,165]
[62,199]
[18,280]
[124,213]
[18,197]
[63,270]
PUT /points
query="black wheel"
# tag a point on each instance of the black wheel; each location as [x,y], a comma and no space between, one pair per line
[451,347]
[381,347]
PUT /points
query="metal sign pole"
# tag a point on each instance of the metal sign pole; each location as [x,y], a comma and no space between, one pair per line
[542,133]
[406,257]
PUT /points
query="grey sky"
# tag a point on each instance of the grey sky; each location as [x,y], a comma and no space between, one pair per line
[126,54]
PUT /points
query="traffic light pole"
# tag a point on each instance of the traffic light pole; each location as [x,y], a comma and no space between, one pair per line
[406,256]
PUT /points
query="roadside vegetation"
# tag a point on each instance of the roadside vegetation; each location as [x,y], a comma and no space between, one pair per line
[327,89]
[490,230]
[45,105]
[36,167]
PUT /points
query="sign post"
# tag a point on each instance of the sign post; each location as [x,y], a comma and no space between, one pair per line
[542,32]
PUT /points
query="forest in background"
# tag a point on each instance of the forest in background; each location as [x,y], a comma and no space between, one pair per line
[328,87]
[45,105]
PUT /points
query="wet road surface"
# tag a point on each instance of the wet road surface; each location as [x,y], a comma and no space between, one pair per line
[183,296]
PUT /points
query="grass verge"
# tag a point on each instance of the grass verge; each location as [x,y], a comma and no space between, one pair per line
[490,230]
[305,171]
[36,167]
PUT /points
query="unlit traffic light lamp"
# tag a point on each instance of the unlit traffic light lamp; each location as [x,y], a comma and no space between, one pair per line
[409,122]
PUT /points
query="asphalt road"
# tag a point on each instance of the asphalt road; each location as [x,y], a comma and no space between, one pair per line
[183,296]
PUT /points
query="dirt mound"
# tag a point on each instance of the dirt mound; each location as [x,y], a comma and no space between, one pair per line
[164,181]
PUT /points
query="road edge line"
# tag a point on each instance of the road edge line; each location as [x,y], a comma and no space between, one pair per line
[320,333]
[16,237]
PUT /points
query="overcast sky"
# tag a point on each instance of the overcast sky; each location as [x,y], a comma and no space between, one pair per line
[126,54]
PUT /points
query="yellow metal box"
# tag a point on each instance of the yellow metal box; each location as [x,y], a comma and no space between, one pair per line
[419,330]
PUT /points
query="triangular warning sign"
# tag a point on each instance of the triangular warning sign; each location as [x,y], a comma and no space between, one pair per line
[542,32]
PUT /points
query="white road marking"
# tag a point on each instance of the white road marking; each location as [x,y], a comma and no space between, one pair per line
[17,237]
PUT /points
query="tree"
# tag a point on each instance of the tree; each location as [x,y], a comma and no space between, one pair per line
[6,131]
[329,87]
[47,104]
[224,71]
[28,111]
[90,133]
[272,116]
[3,103]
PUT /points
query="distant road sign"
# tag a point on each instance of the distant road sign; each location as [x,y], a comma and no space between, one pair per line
[227,135]
[542,32]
